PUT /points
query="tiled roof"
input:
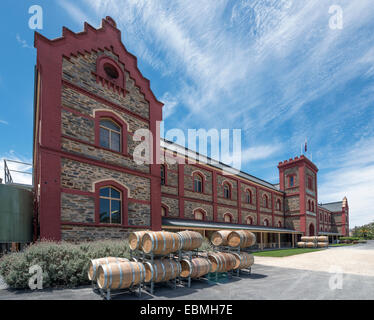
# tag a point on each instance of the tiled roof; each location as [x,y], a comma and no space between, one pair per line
[333,206]
[214,163]
[187,223]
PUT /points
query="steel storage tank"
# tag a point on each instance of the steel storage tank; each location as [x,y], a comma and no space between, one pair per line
[16,213]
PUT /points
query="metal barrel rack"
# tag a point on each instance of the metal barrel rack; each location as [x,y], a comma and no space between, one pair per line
[107,294]
[189,255]
[143,257]
[238,250]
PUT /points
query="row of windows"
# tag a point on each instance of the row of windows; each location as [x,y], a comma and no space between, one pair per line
[198,186]
[200,215]
[111,213]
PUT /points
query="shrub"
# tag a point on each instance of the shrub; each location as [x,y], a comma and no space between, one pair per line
[206,245]
[63,263]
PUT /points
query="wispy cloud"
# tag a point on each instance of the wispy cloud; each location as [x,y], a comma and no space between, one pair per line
[353,177]
[22,42]
[77,14]
[4,122]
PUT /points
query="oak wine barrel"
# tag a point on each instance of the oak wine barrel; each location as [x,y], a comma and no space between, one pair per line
[135,239]
[195,268]
[310,244]
[120,275]
[243,260]
[242,238]
[323,239]
[160,242]
[301,244]
[95,263]
[221,261]
[322,244]
[219,238]
[190,240]
[162,270]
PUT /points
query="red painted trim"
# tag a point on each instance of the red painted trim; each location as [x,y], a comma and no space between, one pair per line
[103,225]
[118,84]
[181,189]
[215,198]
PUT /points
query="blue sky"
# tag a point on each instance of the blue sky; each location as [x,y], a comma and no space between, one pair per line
[274,69]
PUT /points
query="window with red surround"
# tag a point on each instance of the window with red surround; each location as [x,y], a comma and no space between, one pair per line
[164,211]
[291,180]
[248,196]
[227,190]
[111,204]
[265,201]
[249,220]
[227,217]
[110,132]
[110,74]
[199,214]
[198,182]
[310,183]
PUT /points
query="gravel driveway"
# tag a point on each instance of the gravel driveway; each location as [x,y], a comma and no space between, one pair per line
[357,259]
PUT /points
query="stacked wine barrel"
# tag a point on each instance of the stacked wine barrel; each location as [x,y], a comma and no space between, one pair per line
[162,270]
[313,242]
[195,268]
[222,261]
[237,238]
[116,273]
[244,260]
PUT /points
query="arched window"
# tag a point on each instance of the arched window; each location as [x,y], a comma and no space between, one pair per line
[309,206]
[248,196]
[163,212]
[197,183]
[279,205]
[312,206]
[291,181]
[199,215]
[110,205]
[249,220]
[265,201]
[266,222]
[227,218]
[227,191]
[279,224]
[163,174]
[110,135]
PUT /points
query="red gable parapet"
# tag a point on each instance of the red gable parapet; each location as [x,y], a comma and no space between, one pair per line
[107,37]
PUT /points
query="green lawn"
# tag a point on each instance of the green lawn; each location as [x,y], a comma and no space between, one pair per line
[284,252]
[341,244]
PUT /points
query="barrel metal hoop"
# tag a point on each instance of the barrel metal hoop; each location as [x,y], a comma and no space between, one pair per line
[105,276]
[133,274]
[163,236]
[110,276]
[120,275]
[164,271]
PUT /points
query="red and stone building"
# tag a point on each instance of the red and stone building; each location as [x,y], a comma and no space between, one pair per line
[90,98]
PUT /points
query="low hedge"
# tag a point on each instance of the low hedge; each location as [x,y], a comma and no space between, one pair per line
[63,264]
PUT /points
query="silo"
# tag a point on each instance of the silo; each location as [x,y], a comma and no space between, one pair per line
[16,213]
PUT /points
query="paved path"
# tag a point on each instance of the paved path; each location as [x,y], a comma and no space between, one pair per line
[357,259]
[265,282]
